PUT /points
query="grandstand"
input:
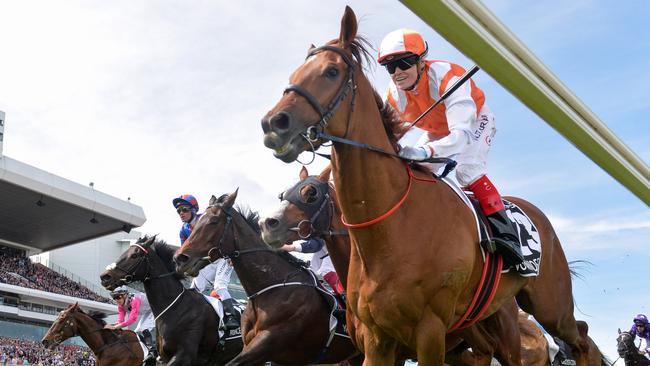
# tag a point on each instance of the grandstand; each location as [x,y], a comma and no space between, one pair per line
[42,212]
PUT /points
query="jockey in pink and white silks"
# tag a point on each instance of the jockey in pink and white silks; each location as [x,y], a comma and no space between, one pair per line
[138,308]
[320,262]
[217,274]
[460,128]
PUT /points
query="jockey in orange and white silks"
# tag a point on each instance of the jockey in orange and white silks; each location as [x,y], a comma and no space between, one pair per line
[460,128]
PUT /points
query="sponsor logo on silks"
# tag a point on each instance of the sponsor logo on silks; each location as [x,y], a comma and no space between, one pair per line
[234,332]
[568,362]
[481,127]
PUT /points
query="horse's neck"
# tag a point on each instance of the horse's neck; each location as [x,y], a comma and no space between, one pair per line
[260,269]
[338,246]
[369,183]
[91,332]
[161,291]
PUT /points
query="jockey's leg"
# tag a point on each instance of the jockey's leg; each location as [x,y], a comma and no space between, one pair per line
[333,280]
[148,342]
[505,235]
[229,312]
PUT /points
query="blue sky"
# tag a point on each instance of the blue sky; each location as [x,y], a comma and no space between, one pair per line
[153,99]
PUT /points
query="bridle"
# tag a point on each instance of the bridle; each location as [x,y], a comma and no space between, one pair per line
[218,247]
[316,133]
[68,324]
[130,272]
[322,204]
[626,345]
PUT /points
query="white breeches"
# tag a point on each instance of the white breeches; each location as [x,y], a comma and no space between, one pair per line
[146,322]
[321,263]
[217,273]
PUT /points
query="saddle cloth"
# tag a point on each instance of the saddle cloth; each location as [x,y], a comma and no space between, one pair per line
[529,238]
[218,308]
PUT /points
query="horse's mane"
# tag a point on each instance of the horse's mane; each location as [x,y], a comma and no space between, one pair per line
[165,252]
[394,126]
[98,316]
[252,219]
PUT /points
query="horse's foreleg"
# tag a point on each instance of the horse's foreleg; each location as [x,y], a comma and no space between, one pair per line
[430,340]
[254,352]
[379,349]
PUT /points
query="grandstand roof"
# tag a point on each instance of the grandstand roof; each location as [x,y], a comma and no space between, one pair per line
[42,211]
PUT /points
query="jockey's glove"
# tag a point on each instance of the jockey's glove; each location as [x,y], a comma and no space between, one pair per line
[415,153]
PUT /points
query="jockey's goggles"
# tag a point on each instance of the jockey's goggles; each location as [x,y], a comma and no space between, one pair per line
[639,324]
[117,297]
[403,63]
[183,209]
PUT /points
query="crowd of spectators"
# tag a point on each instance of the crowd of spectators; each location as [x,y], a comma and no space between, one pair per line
[29,353]
[16,269]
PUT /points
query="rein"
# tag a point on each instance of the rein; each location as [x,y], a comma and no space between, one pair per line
[236,253]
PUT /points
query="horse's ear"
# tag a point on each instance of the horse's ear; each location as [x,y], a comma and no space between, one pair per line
[230,200]
[324,176]
[213,201]
[619,330]
[149,241]
[311,47]
[348,27]
[75,306]
[303,173]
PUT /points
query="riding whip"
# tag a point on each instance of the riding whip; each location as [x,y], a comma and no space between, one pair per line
[446,94]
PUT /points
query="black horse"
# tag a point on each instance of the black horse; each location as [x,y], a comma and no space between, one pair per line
[187,324]
[287,318]
[628,351]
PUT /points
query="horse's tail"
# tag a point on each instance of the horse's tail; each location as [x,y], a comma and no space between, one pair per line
[576,267]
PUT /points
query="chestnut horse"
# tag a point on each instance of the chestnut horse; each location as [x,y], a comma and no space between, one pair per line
[422,245]
[287,319]
[111,347]
[309,209]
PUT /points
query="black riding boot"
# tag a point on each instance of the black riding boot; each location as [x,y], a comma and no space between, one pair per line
[148,341]
[229,312]
[505,238]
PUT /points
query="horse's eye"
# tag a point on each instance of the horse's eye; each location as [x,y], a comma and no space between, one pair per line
[134,255]
[332,72]
[311,195]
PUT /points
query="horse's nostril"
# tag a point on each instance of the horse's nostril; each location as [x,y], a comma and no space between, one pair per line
[280,121]
[181,258]
[266,127]
[271,222]
[105,277]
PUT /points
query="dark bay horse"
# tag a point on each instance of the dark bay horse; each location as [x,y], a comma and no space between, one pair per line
[187,325]
[411,238]
[309,209]
[111,347]
[628,351]
[287,319]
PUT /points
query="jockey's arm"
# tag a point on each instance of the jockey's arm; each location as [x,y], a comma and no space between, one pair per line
[309,246]
[133,316]
[460,111]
